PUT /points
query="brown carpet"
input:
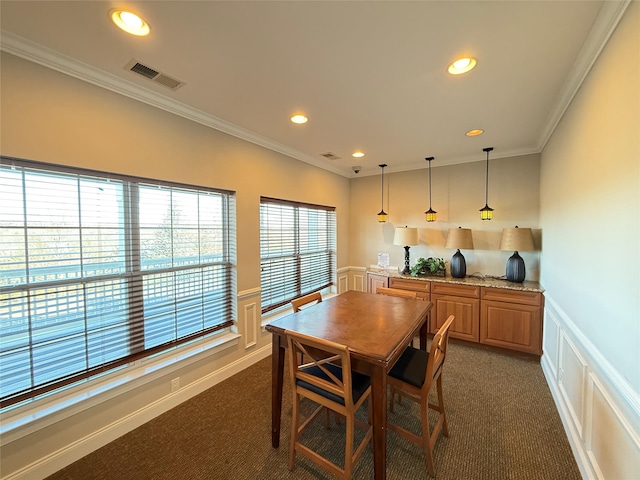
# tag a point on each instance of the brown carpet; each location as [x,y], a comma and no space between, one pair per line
[503,424]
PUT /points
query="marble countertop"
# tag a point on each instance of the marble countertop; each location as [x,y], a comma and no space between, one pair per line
[475,281]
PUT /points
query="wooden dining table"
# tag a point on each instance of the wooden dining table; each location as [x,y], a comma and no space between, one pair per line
[376,328]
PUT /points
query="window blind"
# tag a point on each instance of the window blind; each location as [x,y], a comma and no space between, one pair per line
[297,250]
[97,270]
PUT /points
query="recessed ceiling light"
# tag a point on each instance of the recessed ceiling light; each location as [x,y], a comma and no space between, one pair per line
[357,154]
[475,132]
[462,65]
[299,118]
[129,22]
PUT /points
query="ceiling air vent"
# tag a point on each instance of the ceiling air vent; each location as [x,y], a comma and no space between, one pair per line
[153,75]
[330,156]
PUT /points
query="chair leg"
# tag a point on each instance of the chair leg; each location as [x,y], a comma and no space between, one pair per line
[426,436]
[348,453]
[445,428]
[294,430]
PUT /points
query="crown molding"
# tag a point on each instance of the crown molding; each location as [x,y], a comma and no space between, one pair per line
[603,27]
[46,57]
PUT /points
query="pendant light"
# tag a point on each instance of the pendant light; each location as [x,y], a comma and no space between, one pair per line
[486,212]
[382,216]
[430,214]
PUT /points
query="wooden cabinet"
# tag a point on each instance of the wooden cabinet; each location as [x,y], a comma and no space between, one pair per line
[421,287]
[511,319]
[497,316]
[375,281]
[463,301]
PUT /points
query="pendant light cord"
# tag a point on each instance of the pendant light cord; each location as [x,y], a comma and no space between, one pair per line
[382,187]
[430,182]
[486,183]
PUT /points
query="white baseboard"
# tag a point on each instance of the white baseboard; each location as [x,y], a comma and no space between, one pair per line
[70,453]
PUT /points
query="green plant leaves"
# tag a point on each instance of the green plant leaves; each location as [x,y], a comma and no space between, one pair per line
[429,265]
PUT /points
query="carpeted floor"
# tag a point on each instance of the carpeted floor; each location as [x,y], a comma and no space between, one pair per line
[503,424]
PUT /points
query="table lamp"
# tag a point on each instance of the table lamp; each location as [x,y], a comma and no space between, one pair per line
[406,237]
[459,238]
[516,239]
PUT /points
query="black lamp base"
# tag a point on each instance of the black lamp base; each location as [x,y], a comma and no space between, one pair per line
[407,268]
[515,268]
[458,265]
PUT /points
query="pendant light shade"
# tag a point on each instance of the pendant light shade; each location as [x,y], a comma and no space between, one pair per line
[430,215]
[382,216]
[486,212]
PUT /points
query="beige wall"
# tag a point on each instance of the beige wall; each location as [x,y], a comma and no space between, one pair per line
[458,195]
[51,117]
[590,205]
[590,216]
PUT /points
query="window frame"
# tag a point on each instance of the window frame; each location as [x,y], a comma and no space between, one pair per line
[131,227]
[269,305]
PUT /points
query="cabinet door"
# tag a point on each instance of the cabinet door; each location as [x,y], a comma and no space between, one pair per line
[375,281]
[508,325]
[467,313]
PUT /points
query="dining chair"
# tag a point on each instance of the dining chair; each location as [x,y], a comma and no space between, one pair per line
[414,374]
[307,299]
[327,380]
[396,292]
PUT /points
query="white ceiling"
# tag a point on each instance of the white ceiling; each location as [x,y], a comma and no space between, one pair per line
[369,75]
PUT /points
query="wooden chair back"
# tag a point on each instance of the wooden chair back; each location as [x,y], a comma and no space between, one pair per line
[306,352]
[395,292]
[437,353]
[307,299]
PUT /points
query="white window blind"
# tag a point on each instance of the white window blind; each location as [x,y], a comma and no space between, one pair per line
[97,270]
[297,250]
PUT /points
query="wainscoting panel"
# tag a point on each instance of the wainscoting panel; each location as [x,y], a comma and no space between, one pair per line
[551,342]
[572,381]
[612,446]
[359,282]
[250,325]
[599,409]
[343,283]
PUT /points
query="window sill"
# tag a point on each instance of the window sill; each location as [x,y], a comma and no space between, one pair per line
[25,419]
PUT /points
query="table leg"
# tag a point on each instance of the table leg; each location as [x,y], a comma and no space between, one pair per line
[424,330]
[277,373]
[379,410]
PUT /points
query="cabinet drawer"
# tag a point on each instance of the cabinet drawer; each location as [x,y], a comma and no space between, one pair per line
[407,284]
[512,296]
[457,290]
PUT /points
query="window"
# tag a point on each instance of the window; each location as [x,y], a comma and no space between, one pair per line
[97,270]
[297,250]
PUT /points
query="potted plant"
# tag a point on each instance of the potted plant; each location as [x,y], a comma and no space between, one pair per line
[429,266]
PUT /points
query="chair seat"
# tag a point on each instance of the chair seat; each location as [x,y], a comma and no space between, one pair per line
[359,383]
[411,366]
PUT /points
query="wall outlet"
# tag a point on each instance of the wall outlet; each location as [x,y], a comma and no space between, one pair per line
[175,384]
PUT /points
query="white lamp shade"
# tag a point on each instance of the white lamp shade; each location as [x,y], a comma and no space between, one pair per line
[405,236]
[459,238]
[516,239]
